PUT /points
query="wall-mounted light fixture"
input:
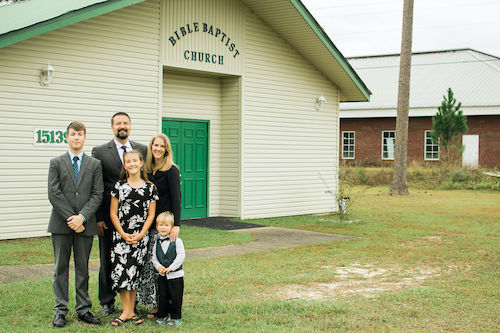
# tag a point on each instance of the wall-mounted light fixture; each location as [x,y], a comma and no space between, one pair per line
[46,75]
[320,102]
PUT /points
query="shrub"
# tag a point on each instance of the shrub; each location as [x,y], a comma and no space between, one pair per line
[458,176]
[431,176]
[362,177]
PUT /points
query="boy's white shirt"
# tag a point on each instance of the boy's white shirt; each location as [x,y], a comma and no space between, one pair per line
[179,259]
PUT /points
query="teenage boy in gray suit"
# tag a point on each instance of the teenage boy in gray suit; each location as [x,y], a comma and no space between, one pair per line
[75,192]
[111,156]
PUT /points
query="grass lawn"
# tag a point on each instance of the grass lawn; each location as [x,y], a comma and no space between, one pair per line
[426,262]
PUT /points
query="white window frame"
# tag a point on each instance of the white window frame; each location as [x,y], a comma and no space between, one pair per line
[353,145]
[431,144]
[382,146]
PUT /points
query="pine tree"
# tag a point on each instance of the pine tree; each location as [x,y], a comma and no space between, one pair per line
[448,123]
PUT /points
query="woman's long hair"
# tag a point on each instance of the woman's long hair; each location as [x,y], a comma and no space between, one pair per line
[168,158]
[124,173]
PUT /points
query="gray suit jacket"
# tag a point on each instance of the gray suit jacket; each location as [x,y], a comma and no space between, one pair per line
[71,198]
[111,167]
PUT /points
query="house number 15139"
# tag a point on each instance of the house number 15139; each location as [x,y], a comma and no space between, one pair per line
[49,136]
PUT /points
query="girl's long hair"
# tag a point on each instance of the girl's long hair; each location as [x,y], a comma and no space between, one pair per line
[168,158]
[124,173]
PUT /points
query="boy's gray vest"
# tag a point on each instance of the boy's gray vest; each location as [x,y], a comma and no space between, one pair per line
[166,259]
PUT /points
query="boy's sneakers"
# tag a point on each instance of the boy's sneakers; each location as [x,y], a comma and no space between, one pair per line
[168,321]
[174,322]
[163,320]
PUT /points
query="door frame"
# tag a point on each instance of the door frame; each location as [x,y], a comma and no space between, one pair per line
[208,150]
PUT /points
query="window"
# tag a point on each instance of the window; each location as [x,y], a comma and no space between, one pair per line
[388,139]
[348,145]
[431,149]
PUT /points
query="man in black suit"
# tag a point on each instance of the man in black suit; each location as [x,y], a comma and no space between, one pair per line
[75,192]
[111,156]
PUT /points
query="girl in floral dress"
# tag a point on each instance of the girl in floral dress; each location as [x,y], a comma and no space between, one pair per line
[133,203]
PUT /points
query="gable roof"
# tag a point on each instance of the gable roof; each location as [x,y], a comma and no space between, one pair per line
[293,22]
[26,19]
[473,76]
[289,18]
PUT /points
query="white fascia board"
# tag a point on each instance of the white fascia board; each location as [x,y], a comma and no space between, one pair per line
[417,112]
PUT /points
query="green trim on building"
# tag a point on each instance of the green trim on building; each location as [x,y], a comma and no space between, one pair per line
[311,21]
[69,18]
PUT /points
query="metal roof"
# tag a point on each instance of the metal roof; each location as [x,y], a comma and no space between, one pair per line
[473,76]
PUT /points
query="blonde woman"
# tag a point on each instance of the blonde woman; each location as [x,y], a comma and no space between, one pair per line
[162,171]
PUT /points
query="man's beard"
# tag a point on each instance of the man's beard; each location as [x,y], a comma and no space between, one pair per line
[122,135]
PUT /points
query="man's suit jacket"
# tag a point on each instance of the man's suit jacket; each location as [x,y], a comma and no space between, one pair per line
[69,197]
[111,166]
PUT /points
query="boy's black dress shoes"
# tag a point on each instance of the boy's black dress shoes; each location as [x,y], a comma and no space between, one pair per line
[59,320]
[89,319]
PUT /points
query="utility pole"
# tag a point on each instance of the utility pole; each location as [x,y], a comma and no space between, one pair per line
[399,183]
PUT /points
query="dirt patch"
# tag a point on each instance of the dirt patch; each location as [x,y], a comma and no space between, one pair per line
[360,279]
[339,220]
[433,238]
[425,241]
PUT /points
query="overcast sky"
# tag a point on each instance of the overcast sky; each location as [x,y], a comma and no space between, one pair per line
[373,27]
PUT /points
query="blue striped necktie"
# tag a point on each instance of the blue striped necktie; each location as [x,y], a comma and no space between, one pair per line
[75,166]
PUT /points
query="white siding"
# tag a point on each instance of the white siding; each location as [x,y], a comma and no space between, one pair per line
[103,65]
[287,146]
[230,147]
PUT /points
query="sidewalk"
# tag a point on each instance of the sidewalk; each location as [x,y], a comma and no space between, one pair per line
[266,239]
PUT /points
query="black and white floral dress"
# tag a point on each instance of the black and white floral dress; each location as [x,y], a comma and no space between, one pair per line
[127,260]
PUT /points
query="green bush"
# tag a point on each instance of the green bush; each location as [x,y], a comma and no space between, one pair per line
[362,177]
[459,175]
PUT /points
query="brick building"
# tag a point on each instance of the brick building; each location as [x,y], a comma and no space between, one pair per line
[367,129]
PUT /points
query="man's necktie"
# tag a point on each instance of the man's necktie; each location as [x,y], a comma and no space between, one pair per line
[124,151]
[75,166]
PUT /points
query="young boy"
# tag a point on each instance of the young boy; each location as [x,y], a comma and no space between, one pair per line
[75,192]
[167,260]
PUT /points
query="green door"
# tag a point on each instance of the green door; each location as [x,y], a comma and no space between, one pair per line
[189,141]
